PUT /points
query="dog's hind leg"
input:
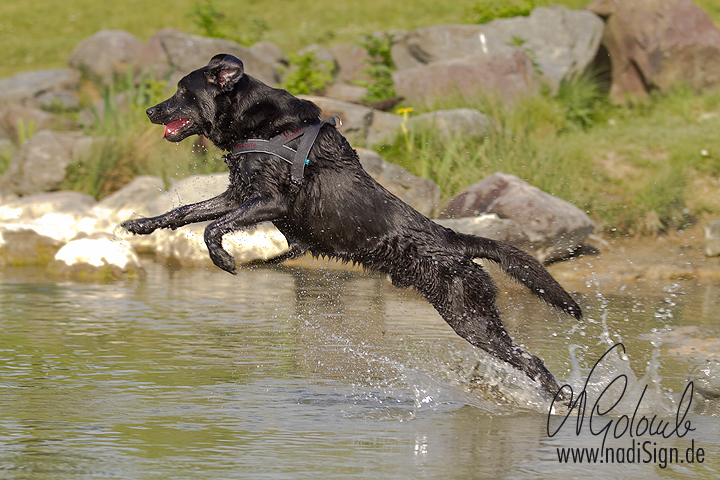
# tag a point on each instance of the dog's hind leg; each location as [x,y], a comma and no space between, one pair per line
[210,209]
[521,266]
[464,295]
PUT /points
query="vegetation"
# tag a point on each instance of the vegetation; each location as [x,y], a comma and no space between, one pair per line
[641,167]
[380,67]
[638,168]
[306,74]
[488,10]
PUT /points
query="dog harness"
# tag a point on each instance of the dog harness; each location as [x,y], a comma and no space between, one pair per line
[278,147]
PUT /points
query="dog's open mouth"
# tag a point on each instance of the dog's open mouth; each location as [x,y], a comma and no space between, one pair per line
[174,128]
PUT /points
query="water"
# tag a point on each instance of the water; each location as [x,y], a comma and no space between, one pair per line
[288,372]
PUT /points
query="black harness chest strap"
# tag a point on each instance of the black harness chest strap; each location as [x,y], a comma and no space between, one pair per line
[277,146]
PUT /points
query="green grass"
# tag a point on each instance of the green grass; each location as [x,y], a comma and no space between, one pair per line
[630,167]
[42,33]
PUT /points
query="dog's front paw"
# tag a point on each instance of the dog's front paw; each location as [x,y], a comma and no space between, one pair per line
[139,226]
[223,259]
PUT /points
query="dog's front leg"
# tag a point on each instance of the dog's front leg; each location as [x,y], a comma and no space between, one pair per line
[255,210]
[197,212]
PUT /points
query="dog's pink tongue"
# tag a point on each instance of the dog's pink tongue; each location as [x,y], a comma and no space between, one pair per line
[173,128]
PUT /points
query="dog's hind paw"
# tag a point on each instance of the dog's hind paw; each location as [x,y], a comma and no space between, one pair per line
[223,260]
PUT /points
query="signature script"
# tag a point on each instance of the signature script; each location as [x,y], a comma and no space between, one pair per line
[601,421]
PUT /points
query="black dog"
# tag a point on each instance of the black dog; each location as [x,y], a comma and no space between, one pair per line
[325,203]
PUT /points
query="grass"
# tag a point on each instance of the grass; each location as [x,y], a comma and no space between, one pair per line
[42,33]
[633,168]
[644,167]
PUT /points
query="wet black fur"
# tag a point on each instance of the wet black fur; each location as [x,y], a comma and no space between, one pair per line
[340,211]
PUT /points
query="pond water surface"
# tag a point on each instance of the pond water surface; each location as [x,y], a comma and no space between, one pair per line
[292,372]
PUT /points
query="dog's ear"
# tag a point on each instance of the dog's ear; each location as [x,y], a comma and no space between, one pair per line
[224,71]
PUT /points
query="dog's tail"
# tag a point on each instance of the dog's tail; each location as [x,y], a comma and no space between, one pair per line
[522,267]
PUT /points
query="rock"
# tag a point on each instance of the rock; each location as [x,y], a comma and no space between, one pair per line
[712,239]
[361,125]
[346,92]
[7,150]
[185,191]
[99,256]
[153,59]
[352,60]
[706,378]
[106,54]
[58,101]
[490,226]
[356,119]
[420,193]
[31,119]
[40,164]
[562,42]
[383,128]
[185,53]
[26,87]
[368,126]
[507,72]
[464,122]
[26,247]
[554,227]
[130,201]
[59,215]
[271,53]
[658,44]
[96,113]
[321,54]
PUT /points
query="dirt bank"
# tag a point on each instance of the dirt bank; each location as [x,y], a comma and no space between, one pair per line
[621,262]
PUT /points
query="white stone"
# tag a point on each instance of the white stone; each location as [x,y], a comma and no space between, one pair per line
[100,250]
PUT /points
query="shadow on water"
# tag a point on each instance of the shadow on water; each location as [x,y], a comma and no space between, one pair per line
[291,372]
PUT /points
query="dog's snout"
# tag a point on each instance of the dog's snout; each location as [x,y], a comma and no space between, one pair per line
[150,111]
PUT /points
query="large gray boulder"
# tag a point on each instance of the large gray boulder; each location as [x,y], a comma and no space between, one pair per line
[554,227]
[106,54]
[19,120]
[352,60]
[506,71]
[40,164]
[178,53]
[561,42]
[657,44]
[420,193]
[360,124]
[29,88]
[356,119]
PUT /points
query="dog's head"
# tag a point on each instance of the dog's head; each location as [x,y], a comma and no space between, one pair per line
[193,108]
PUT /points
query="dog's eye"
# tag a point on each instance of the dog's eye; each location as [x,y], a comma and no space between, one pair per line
[181,90]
